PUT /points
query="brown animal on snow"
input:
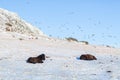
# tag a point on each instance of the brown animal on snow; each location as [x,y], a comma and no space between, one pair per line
[87,57]
[34,60]
[42,57]
[38,59]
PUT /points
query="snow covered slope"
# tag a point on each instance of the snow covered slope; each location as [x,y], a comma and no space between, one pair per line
[11,22]
[63,62]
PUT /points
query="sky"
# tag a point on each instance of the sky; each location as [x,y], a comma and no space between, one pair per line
[95,21]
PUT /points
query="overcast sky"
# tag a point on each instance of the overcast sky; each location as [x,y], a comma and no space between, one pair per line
[95,21]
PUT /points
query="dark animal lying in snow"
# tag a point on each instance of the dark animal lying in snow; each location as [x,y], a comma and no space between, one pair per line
[87,57]
[42,57]
[34,60]
[38,59]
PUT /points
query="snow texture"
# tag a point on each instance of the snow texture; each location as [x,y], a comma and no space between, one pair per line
[11,22]
[63,62]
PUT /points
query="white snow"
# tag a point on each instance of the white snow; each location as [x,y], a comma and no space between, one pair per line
[63,63]
[11,22]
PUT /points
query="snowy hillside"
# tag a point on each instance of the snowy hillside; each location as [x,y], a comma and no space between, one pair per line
[62,62]
[11,22]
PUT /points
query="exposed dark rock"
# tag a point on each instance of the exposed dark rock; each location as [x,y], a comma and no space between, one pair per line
[71,39]
[85,42]
[8,24]
[109,71]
